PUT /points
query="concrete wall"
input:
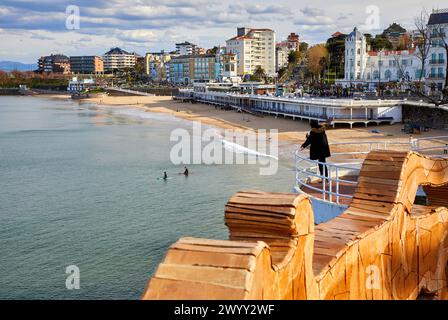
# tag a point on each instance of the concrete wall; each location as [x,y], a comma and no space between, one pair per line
[435,118]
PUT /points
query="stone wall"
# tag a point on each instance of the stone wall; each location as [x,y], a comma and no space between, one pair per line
[434,118]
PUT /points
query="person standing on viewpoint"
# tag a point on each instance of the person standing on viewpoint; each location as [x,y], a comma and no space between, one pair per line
[319,148]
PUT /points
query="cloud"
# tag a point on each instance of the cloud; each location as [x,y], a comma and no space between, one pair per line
[137,36]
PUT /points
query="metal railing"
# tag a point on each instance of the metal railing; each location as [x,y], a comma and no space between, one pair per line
[307,170]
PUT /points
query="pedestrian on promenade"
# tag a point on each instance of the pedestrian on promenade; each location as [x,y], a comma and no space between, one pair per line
[319,148]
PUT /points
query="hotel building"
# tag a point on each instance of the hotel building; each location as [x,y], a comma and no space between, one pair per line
[116,59]
[253,47]
[56,63]
[86,64]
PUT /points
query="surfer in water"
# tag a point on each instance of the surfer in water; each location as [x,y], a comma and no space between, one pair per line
[186,172]
[165,176]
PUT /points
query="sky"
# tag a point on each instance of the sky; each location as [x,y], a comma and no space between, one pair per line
[30,28]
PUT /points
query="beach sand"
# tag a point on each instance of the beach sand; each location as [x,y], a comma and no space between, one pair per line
[290,131]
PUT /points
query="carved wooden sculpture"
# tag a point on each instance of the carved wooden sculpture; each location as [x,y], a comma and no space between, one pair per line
[382,247]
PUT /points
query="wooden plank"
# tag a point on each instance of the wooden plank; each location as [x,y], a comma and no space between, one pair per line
[223,276]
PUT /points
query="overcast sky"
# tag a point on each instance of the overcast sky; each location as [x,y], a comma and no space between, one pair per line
[30,28]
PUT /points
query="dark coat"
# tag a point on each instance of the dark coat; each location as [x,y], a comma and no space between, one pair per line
[319,144]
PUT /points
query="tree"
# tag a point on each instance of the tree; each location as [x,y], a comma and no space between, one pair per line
[303,47]
[317,59]
[380,42]
[336,52]
[294,57]
[259,74]
[213,50]
[422,41]
[430,36]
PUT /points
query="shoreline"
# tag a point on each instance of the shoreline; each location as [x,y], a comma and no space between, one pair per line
[289,131]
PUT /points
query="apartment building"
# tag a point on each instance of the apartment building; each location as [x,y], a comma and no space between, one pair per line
[56,63]
[86,65]
[281,55]
[203,67]
[179,70]
[436,64]
[116,59]
[155,64]
[253,47]
[188,48]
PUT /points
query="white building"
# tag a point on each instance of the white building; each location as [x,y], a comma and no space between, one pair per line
[117,58]
[281,55]
[253,47]
[437,59]
[369,68]
[187,48]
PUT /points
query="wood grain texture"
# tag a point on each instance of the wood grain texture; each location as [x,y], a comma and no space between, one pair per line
[382,247]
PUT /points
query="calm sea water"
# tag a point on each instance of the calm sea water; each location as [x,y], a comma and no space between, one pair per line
[78,186]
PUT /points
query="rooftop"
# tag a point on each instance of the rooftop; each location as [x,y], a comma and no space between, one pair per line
[116,50]
[438,17]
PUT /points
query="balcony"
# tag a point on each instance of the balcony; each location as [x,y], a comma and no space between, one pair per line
[436,76]
[437,61]
[437,35]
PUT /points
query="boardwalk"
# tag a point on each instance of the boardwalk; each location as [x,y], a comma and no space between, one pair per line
[382,247]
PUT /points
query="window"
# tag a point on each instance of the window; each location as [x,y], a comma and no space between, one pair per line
[388,74]
[359,51]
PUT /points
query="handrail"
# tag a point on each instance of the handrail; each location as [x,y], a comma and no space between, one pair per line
[309,168]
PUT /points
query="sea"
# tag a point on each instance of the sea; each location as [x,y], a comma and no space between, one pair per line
[80,189]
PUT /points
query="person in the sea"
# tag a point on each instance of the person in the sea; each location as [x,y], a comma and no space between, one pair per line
[186,172]
[165,176]
[319,148]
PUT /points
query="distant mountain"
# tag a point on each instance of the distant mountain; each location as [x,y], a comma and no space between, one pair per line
[13,65]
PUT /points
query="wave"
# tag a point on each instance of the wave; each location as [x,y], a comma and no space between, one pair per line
[237,148]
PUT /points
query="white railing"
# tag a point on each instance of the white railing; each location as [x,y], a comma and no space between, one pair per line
[307,170]
[330,189]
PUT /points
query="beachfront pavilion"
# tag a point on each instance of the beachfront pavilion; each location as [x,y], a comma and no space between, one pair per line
[333,111]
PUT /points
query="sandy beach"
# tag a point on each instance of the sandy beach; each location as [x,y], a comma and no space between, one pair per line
[290,131]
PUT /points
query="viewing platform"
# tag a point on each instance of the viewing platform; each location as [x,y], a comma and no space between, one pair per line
[331,195]
[382,246]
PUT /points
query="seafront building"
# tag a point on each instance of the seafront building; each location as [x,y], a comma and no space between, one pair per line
[247,97]
[188,48]
[55,63]
[156,65]
[180,70]
[437,60]
[364,67]
[253,48]
[367,68]
[86,65]
[118,59]
[188,69]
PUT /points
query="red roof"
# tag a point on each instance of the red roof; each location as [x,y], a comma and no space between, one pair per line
[337,33]
[241,38]
[391,52]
